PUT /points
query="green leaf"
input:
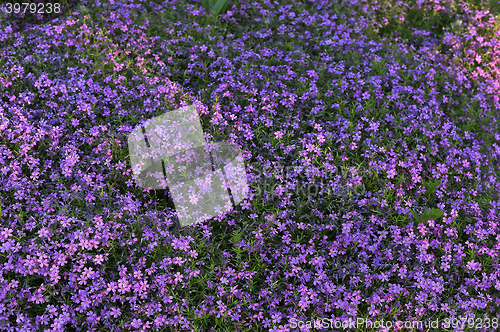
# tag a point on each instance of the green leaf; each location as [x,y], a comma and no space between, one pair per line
[219,6]
[205,4]
[416,216]
[432,186]
[431,214]
[224,8]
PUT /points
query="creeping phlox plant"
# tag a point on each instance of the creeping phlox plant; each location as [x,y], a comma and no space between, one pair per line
[388,110]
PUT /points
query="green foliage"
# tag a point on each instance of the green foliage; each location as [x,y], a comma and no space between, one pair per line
[494,6]
[218,6]
[414,17]
[431,186]
[431,214]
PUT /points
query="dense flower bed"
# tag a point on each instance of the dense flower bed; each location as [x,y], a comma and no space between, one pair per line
[313,86]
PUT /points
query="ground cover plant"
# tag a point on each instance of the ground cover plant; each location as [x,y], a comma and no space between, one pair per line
[399,98]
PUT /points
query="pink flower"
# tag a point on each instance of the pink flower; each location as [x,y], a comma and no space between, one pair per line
[474,266]
[392,173]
